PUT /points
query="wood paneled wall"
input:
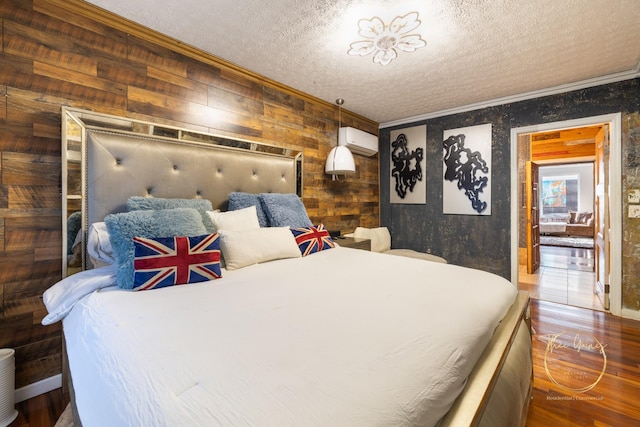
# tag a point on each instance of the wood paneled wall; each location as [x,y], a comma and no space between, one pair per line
[67,53]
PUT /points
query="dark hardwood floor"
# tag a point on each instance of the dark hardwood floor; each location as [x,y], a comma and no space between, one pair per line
[570,339]
[41,411]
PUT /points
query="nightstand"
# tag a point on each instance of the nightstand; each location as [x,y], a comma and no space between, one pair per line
[352,242]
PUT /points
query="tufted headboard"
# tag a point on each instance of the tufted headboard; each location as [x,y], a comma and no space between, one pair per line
[107,159]
[120,166]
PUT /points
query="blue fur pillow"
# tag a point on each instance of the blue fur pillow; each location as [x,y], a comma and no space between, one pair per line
[285,210]
[123,227]
[238,200]
[138,203]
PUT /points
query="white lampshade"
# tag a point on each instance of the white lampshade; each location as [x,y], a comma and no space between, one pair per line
[340,161]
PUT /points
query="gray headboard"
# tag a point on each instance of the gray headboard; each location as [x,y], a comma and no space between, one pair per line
[120,166]
[107,159]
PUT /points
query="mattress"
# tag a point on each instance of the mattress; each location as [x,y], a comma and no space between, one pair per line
[342,337]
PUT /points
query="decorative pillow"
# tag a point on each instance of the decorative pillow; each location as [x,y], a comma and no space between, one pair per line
[583,217]
[380,237]
[285,210]
[123,227]
[168,261]
[238,200]
[242,219]
[589,221]
[312,239]
[137,203]
[246,247]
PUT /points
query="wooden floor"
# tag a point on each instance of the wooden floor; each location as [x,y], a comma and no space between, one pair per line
[561,331]
[41,411]
[566,276]
[568,337]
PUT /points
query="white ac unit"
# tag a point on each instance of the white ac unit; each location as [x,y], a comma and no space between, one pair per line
[357,141]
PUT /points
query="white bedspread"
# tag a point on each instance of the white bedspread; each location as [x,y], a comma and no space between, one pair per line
[340,338]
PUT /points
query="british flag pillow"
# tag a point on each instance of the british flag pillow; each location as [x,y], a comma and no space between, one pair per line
[312,239]
[168,261]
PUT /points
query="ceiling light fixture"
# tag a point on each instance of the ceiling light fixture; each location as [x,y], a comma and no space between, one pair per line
[386,40]
[340,160]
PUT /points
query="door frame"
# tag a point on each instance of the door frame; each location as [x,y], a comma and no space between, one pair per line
[615,195]
[532,176]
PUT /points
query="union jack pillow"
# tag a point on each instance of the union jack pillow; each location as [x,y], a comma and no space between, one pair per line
[312,239]
[168,261]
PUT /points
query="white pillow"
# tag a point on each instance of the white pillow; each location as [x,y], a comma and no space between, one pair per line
[246,247]
[380,237]
[241,219]
[99,245]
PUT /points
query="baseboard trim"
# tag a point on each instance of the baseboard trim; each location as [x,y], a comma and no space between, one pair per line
[38,388]
[630,313]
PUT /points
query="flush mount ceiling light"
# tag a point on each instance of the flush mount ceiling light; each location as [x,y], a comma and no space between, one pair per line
[384,41]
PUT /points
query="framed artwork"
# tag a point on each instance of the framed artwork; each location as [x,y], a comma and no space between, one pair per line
[466,183]
[408,183]
[559,194]
[554,193]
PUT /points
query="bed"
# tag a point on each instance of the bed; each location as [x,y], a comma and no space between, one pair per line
[283,335]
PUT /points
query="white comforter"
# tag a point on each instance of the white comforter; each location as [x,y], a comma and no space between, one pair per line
[340,338]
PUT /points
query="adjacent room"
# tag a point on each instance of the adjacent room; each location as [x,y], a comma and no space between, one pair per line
[566,219]
[567,235]
[345,213]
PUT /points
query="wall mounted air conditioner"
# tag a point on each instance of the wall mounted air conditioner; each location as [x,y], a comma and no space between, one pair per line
[357,141]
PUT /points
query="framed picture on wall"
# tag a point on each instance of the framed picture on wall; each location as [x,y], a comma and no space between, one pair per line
[408,176]
[466,183]
[560,194]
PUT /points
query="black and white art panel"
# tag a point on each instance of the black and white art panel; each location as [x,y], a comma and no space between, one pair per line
[408,178]
[466,165]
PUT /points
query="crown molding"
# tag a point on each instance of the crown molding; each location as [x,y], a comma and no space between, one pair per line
[583,84]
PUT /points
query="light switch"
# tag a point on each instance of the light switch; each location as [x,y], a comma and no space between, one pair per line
[633,197]
[634,211]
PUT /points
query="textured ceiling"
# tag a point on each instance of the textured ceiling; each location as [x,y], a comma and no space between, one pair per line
[477,52]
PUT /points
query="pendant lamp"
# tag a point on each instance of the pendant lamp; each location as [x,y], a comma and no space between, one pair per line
[340,160]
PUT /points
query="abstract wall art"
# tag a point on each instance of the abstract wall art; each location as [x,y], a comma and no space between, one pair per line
[408,175]
[466,188]
[560,194]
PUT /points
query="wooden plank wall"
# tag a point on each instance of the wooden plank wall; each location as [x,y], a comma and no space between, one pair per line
[67,53]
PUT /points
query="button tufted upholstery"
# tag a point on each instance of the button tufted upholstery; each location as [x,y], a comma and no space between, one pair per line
[120,166]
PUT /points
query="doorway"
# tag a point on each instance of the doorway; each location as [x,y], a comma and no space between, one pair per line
[564,174]
[567,207]
[614,202]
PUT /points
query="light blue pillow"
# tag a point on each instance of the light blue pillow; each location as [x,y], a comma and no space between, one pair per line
[284,210]
[138,203]
[123,227]
[239,200]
